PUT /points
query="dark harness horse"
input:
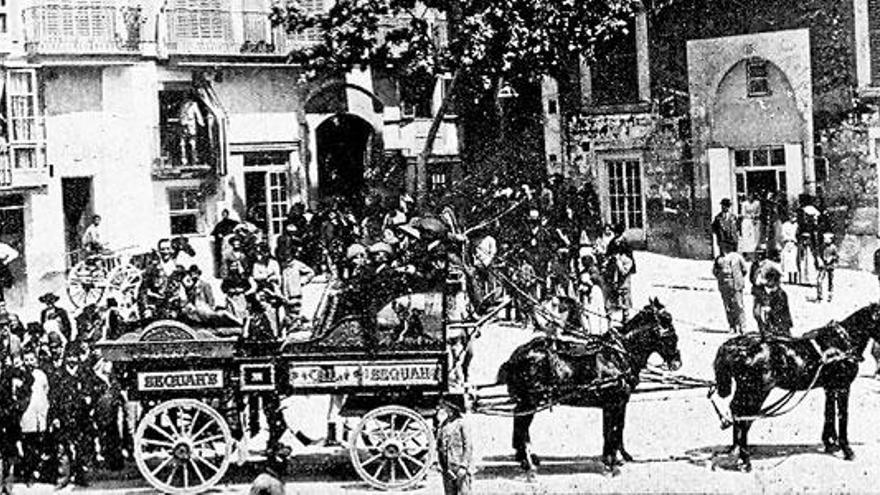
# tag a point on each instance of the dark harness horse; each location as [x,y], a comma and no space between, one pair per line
[826,357]
[599,371]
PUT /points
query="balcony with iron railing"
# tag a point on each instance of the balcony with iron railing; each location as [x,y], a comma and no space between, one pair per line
[89,27]
[221,32]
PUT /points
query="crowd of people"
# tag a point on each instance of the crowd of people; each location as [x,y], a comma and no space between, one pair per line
[800,251]
[60,405]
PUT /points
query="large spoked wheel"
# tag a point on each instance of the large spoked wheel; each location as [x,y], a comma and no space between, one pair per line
[85,283]
[183,446]
[125,281]
[392,448]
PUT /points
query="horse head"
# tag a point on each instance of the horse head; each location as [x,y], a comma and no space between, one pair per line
[652,330]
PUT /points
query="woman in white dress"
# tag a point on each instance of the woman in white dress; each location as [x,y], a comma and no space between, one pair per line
[790,249]
[751,225]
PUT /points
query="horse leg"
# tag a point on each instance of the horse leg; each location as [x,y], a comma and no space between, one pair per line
[620,426]
[829,431]
[609,427]
[842,426]
[745,463]
[522,440]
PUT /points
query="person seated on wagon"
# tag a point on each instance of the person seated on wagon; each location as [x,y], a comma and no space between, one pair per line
[199,307]
[93,238]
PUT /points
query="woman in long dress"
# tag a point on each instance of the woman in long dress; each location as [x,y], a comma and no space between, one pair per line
[790,249]
[751,225]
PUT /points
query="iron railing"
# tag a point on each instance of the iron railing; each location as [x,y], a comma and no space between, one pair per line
[82,27]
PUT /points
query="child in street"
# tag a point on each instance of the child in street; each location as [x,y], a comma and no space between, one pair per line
[771,307]
[826,262]
[455,449]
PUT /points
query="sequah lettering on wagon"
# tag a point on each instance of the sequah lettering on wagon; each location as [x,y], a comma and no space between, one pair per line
[180,380]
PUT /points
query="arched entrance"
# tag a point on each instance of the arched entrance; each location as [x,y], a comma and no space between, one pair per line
[344,144]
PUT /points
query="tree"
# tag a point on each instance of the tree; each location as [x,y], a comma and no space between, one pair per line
[479,43]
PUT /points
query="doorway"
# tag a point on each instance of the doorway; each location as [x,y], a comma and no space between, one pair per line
[12,234]
[344,144]
[267,191]
[76,201]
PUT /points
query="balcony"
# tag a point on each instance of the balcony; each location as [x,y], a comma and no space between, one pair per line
[28,171]
[222,32]
[96,27]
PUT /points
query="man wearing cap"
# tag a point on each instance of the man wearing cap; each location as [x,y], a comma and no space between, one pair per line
[455,449]
[725,226]
[826,262]
[771,307]
[53,312]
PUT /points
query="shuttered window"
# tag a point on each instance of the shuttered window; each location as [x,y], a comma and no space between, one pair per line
[312,7]
[874,37]
[255,16]
[201,19]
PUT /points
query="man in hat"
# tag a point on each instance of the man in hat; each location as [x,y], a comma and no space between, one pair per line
[221,230]
[730,271]
[725,226]
[54,313]
[455,449]
[73,394]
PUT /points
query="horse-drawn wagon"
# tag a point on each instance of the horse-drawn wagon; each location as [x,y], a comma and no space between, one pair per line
[193,384]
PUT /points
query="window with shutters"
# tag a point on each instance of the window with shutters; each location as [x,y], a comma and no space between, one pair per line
[255,17]
[200,25]
[756,78]
[25,131]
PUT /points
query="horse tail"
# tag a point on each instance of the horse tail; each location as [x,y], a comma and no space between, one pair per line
[723,376]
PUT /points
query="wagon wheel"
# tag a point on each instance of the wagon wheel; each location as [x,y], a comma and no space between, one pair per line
[86,283]
[124,282]
[393,448]
[182,446]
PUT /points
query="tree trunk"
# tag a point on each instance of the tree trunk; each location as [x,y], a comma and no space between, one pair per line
[418,188]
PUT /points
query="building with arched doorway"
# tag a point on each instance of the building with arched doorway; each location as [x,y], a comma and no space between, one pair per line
[752,115]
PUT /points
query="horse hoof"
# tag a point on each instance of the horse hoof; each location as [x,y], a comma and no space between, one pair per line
[848,454]
[744,467]
[626,457]
[831,448]
[536,460]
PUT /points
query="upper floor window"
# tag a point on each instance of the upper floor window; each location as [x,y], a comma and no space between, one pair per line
[200,19]
[756,78]
[185,211]
[189,130]
[310,7]
[24,131]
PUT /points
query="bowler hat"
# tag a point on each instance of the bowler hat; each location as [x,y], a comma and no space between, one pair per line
[725,202]
[48,298]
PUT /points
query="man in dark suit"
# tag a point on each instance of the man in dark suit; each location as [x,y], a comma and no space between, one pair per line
[725,226]
[53,312]
[72,399]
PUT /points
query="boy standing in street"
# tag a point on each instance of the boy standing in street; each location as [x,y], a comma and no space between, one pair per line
[455,449]
[826,262]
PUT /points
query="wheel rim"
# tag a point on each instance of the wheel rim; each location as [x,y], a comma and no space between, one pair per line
[393,448]
[84,284]
[183,446]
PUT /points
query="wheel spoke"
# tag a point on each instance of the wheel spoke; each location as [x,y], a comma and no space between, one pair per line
[393,472]
[412,459]
[157,443]
[171,476]
[405,425]
[202,429]
[197,470]
[161,466]
[185,468]
[371,460]
[163,432]
[171,422]
[406,470]
[205,462]
[208,440]
[192,423]
[376,474]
